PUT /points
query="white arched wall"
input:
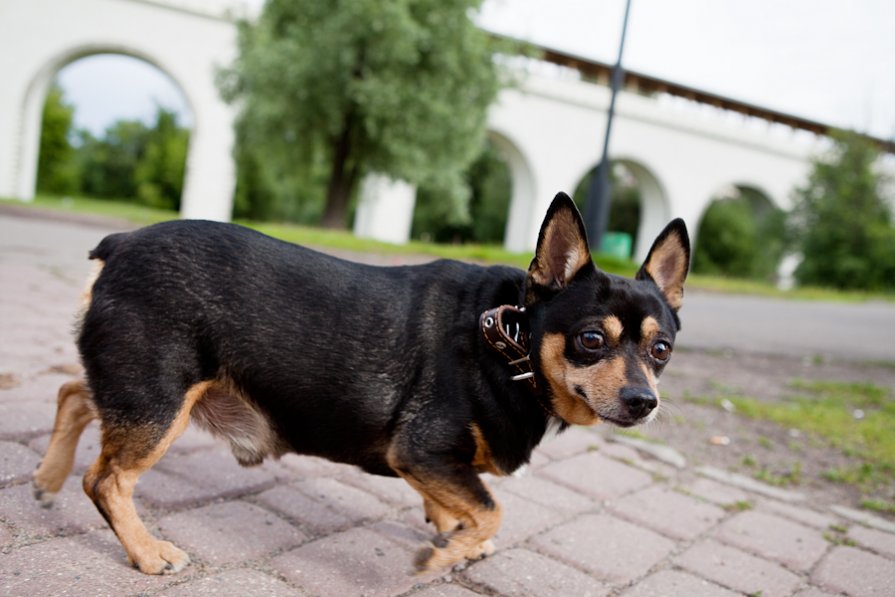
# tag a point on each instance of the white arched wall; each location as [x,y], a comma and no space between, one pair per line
[522,199]
[187,46]
[558,126]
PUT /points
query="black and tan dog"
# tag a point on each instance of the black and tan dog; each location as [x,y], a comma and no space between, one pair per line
[434,373]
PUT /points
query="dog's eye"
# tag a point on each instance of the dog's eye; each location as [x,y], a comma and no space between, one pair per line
[661,351]
[591,340]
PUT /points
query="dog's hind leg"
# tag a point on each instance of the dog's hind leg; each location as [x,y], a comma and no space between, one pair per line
[74,411]
[127,452]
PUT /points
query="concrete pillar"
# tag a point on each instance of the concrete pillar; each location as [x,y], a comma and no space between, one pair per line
[385,209]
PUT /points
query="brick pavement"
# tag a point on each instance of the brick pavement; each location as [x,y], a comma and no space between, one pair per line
[591,517]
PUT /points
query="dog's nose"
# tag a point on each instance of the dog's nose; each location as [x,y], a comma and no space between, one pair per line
[639,401]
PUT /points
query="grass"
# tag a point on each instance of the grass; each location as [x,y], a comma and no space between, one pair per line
[488,254]
[857,418]
[315,237]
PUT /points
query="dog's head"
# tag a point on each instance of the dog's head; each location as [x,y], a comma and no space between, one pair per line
[601,341]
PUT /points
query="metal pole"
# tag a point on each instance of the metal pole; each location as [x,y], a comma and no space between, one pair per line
[599,191]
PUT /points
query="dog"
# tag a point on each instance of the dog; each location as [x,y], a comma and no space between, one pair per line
[433,373]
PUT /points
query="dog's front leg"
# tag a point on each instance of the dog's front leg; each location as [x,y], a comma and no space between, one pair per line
[457,502]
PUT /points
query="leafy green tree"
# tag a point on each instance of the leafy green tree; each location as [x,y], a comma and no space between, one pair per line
[740,236]
[399,87]
[841,222]
[57,170]
[160,170]
[488,179]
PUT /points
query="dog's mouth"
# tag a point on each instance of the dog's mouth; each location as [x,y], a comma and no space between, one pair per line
[614,412]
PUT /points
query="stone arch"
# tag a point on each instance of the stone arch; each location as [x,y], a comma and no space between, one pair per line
[523,200]
[655,209]
[35,95]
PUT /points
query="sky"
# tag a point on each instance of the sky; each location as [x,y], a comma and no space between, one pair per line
[826,60]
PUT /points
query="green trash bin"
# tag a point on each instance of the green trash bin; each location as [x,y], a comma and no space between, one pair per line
[617,244]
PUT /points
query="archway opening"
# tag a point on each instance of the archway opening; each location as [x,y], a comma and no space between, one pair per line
[114,127]
[482,219]
[741,234]
[638,208]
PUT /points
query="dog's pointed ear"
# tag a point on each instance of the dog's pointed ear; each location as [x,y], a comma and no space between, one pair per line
[562,247]
[668,262]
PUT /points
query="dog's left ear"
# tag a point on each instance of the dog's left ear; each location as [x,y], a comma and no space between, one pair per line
[668,262]
[562,248]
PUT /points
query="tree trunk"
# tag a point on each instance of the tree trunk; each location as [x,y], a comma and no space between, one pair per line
[342,176]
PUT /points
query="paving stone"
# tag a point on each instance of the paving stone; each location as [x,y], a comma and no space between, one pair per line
[669,512]
[355,562]
[86,453]
[311,466]
[537,460]
[234,583]
[813,592]
[446,590]
[865,518]
[570,442]
[5,535]
[713,491]
[878,541]
[661,452]
[522,518]
[674,582]
[526,573]
[350,502]
[546,493]
[194,438]
[612,549]
[770,536]
[25,419]
[738,570]
[597,476]
[855,572]
[180,480]
[90,564]
[72,511]
[312,515]
[17,463]
[750,484]
[800,513]
[229,532]
[391,490]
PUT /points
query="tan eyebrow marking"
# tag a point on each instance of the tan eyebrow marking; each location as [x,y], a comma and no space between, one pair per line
[649,327]
[613,327]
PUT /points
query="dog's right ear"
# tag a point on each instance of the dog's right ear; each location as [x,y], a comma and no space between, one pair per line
[562,250]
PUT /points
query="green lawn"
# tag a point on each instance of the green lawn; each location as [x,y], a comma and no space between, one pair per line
[344,240]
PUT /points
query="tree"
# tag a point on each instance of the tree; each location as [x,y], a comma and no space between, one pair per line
[741,236]
[841,222]
[397,87]
[56,166]
[160,169]
[490,184]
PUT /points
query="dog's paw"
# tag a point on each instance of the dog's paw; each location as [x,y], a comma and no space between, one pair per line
[482,550]
[441,554]
[46,498]
[162,557]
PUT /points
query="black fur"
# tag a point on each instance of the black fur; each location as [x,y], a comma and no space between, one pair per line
[351,362]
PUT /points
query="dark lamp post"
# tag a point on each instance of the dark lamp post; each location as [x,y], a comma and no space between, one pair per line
[596,211]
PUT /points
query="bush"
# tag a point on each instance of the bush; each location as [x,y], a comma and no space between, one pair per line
[842,224]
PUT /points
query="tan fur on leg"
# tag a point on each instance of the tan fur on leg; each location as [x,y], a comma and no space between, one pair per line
[74,411]
[126,454]
[472,540]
